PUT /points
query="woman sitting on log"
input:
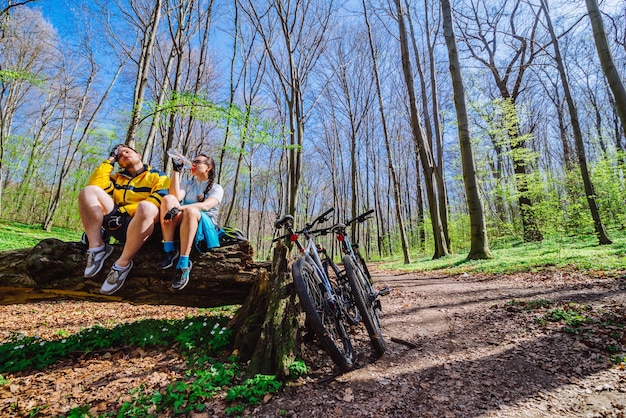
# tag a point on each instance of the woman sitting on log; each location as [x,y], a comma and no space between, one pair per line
[190,204]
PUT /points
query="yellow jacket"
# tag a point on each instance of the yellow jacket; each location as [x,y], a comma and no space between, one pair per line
[128,191]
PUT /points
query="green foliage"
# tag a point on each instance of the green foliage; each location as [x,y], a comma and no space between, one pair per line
[298,368]
[8,76]
[141,404]
[3,381]
[252,391]
[79,412]
[246,122]
[36,410]
[610,189]
[529,305]
[192,334]
[183,397]
[573,314]
[200,350]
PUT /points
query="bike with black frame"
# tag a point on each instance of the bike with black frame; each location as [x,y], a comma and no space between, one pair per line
[365,295]
[320,298]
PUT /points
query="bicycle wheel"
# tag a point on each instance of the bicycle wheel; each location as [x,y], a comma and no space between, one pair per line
[324,318]
[366,300]
[344,292]
[362,265]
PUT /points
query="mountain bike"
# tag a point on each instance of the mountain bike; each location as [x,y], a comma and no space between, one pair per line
[365,295]
[340,283]
[320,298]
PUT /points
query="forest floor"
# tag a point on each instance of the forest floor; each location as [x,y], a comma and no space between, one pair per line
[468,345]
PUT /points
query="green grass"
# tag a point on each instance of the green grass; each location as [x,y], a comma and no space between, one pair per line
[15,235]
[580,252]
[509,256]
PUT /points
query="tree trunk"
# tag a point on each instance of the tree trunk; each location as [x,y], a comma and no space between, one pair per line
[425,148]
[142,73]
[269,325]
[603,238]
[433,129]
[53,270]
[392,171]
[606,60]
[479,243]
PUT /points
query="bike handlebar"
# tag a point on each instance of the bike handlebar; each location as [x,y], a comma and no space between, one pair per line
[287,222]
[361,218]
[321,218]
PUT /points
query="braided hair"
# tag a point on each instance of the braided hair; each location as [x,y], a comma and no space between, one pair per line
[211,181]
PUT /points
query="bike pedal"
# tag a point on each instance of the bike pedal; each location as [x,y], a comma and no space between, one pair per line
[384,291]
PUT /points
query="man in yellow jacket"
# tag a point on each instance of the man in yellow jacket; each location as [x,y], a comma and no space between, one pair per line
[126,204]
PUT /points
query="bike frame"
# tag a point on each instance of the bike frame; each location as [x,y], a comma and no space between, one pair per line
[309,251]
[346,245]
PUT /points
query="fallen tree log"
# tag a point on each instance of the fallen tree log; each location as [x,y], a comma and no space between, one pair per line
[53,270]
[268,326]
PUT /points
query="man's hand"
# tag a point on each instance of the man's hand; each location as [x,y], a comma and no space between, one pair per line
[171,214]
[114,220]
[114,151]
[177,164]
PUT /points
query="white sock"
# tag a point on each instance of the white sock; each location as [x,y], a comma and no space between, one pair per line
[97,249]
[118,268]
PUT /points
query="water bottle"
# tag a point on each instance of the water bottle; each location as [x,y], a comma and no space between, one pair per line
[175,154]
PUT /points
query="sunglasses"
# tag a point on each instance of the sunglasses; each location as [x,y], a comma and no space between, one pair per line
[198,162]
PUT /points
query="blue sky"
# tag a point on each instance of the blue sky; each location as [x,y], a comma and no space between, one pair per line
[59,13]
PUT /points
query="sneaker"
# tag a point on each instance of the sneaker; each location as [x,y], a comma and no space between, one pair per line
[169,259]
[182,278]
[95,260]
[115,280]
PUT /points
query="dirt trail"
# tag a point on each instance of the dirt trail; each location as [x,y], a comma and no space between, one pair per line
[473,355]
[465,351]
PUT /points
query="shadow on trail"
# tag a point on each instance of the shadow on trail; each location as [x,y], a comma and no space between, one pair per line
[467,298]
[458,387]
[480,360]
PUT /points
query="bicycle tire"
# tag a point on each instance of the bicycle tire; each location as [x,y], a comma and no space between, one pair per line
[365,298]
[362,265]
[344,292]
[324,319]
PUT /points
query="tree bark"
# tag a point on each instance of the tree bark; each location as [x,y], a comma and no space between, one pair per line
[603,237]
[270,325]
[425,148]
[606,60]
[479,242]
[522,44]
[53,270]
[142,72]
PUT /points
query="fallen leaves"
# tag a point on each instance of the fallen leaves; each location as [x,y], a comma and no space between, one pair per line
[472,356]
